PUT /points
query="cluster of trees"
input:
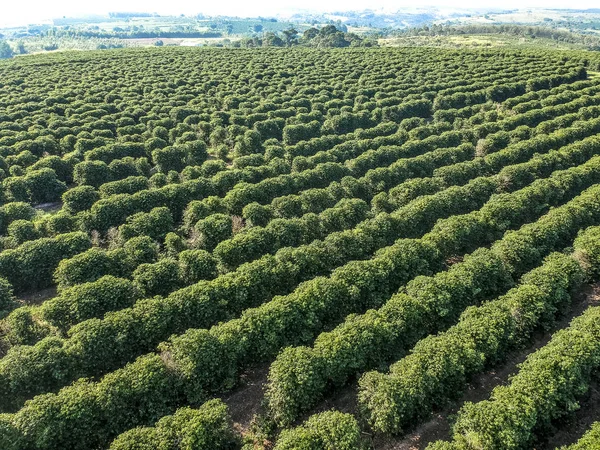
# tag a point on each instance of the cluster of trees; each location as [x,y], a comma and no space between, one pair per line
[326,37]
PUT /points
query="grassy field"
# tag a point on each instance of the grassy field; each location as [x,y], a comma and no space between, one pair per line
[477,41]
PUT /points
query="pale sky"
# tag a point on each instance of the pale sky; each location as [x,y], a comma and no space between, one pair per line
[31,11]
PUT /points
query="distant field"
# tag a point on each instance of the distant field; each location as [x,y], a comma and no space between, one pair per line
[484,40]
[184,42]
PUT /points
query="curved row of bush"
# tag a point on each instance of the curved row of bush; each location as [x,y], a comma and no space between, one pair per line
[447,360]
[300,376]
[88,222]
[208,427]
[318,144]
[547,387]
[153,276]
[83,197]
[96,297]
[262,331]
[348,137]
[31,265]
[122,149]
[112,211]
[372,182]
[85,337]
[165,276]
[375,180]
[201,361]
[438,368]
[520,104]
[279,233]
[359,188]
[230,177]
[92,345]
[542,94]
[243,247]
[511,123]
[569,129]
[278,273]
[385,83]
[350,91]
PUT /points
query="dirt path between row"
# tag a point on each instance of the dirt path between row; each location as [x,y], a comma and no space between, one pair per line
[482,385]
[245,402]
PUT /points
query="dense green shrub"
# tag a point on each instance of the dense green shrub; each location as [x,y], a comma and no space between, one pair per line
[159,278]
[22,328]
[31,265]
[587,246]
[208,427]
[330,430]
[80,198]
[95,262]
[196,265]
[58,223]
[10,212]
[214,229]
[155,224]
[22,230]
[88,300]
[38,186]
[7,298]
[93,173]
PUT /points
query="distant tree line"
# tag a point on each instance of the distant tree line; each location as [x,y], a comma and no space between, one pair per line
[514,30]
[128,15]
[133,34]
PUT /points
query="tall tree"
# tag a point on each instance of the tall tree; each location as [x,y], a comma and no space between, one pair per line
[5,50]
[291,36]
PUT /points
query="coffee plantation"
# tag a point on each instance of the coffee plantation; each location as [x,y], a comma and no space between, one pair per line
[390,222]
